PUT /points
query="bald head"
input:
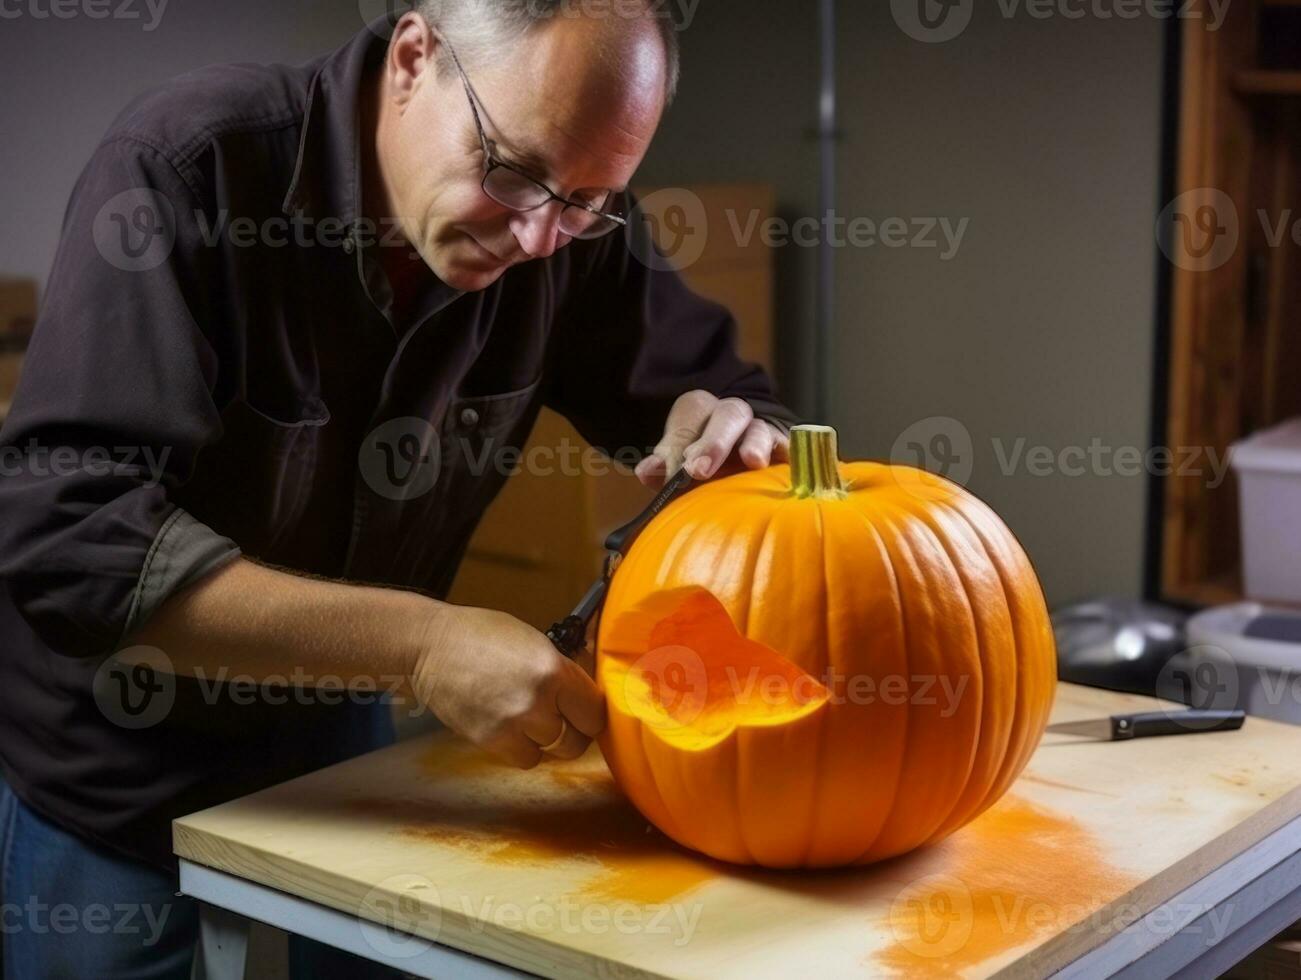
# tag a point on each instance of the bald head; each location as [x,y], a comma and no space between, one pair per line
[489,29]
[572,101]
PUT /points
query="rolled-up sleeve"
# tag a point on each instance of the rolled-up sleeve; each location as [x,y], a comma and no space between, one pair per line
[632,337]
[115,402]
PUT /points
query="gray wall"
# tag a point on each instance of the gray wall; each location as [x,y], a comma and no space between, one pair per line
[66,79]
[1044,134]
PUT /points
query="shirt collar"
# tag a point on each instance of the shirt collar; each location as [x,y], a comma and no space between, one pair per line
[327,173]
[327,183]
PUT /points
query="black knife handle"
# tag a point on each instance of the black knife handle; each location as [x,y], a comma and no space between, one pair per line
[621,538]
[1189,722]
[569,635]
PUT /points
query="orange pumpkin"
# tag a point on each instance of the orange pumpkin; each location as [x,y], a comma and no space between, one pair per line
[822,664]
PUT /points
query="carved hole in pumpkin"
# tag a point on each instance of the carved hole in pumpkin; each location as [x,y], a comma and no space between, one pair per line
[676,662]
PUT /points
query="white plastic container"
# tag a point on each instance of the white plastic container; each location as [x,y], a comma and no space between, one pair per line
[1268,465]
[1243,655]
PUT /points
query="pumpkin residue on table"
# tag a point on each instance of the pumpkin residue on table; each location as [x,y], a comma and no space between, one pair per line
[1016,874]
[588,821]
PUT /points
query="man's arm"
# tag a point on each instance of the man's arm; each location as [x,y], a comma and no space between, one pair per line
[114,405]
[95,553]
[485,674]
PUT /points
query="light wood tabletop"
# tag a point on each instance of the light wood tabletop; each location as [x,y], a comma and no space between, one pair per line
[551,871]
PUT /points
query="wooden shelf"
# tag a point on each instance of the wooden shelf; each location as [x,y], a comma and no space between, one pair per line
[1257,82]
[1235,320]
[1216,590]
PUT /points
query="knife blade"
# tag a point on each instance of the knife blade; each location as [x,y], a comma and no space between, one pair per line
[1147,724]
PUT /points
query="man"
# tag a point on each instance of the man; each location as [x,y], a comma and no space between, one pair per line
[224,405]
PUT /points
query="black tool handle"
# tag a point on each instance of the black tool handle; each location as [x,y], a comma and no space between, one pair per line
[1189,722]
[569,636]
[620,538]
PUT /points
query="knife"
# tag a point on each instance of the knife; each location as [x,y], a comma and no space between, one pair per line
[1118,728]
[569,635]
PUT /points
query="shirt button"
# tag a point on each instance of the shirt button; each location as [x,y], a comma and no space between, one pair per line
[469,418]
[349,245]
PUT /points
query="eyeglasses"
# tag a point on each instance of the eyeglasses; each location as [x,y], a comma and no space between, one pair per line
[514,189]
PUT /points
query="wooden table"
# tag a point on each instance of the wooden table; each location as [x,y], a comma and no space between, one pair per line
[1142,858]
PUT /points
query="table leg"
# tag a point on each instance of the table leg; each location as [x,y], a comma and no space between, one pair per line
[223,944]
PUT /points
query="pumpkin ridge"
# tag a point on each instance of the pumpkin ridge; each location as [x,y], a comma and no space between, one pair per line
[1030,732]
[670,564]
[1016,719]
[928,517]
[896,777]
[747,588]
[875,531]
[899,821]
[887,828]
[735,746]
[821,724]
[674,525]
[675,831]
[1006,749]
[1029,737]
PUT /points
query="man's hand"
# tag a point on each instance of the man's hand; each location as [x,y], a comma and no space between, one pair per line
[702,433]
[501,684]
[485,674]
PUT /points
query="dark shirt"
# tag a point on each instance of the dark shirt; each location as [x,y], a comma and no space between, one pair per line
[190,395]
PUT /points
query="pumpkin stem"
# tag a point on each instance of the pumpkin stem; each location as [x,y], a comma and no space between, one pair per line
[815,469]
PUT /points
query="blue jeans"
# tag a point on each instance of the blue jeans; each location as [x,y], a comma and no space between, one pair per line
[71,909]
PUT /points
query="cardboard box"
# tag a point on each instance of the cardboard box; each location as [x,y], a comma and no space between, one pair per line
[10,365]
[17,312]
[17,317]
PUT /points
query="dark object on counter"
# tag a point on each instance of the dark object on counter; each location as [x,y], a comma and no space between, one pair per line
[1117,644]
[1120,728]
[1279,627]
